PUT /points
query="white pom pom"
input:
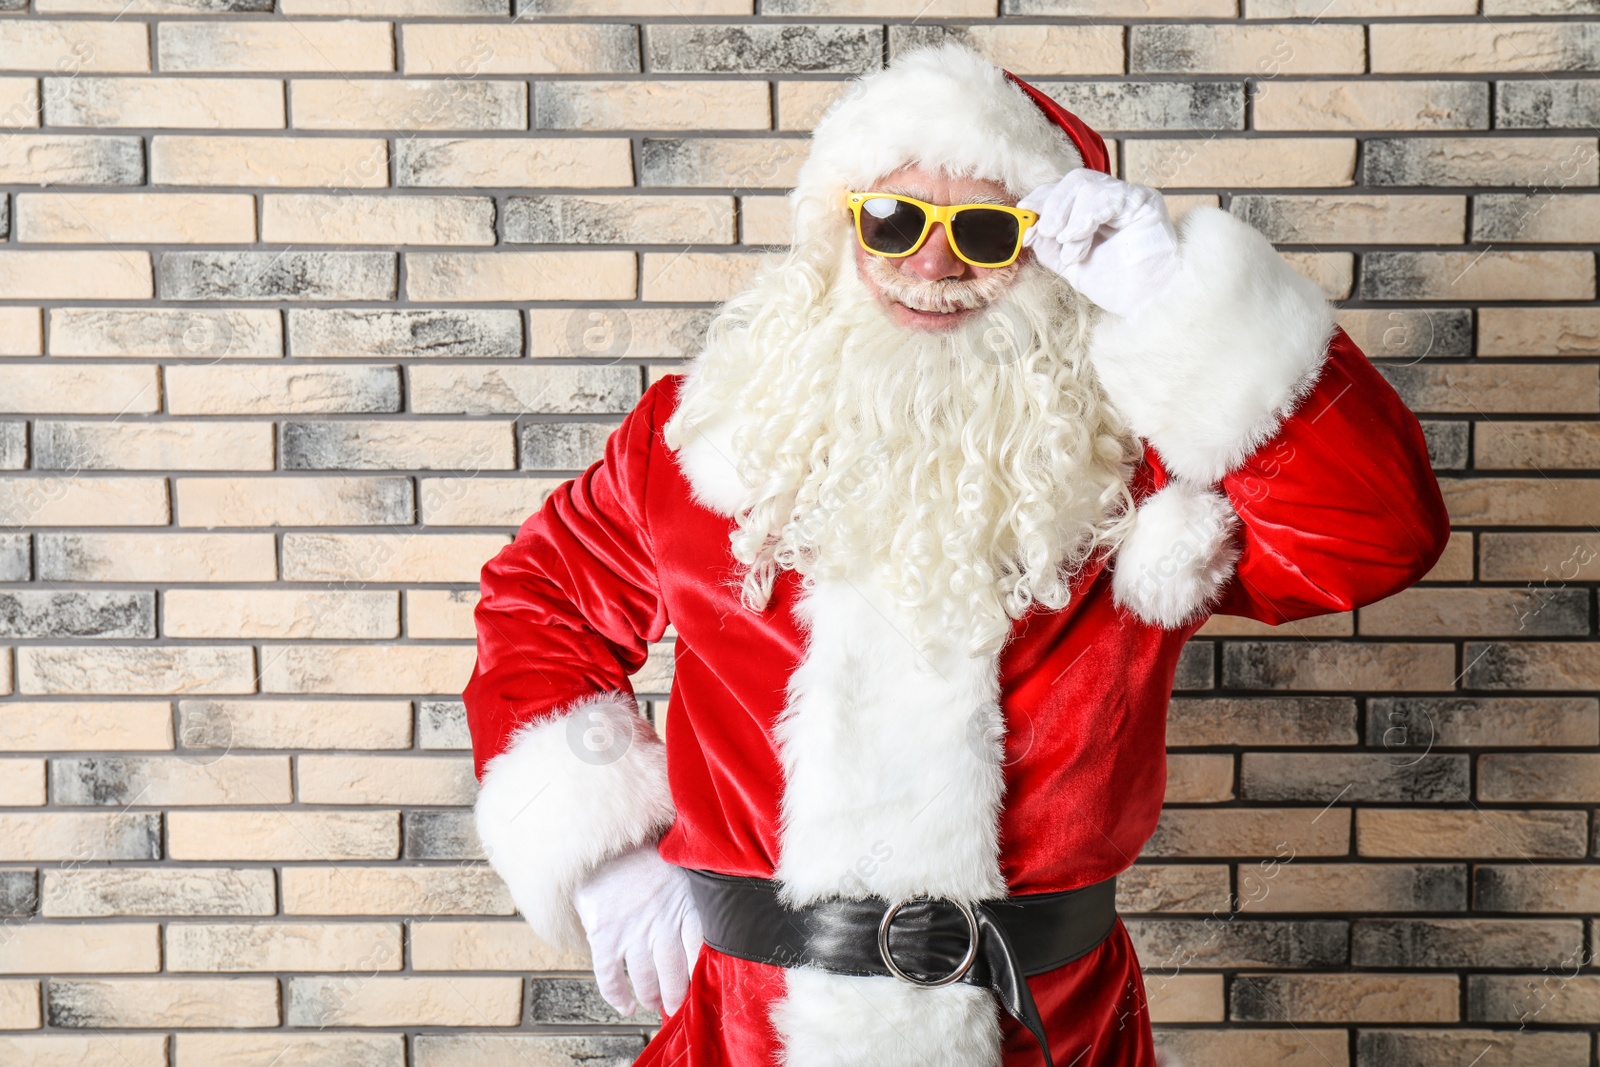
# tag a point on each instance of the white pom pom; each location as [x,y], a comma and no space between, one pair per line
[1177,557]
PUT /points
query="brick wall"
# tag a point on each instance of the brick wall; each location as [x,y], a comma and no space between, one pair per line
[304,307]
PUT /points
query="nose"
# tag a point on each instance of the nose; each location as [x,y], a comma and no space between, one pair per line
[935,261]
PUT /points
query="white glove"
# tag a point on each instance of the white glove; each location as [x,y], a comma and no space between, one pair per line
[1110,239]
[640,919]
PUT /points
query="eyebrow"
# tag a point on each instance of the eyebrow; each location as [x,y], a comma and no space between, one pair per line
[920,194]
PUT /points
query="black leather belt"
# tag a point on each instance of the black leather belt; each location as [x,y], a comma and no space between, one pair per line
[925,941]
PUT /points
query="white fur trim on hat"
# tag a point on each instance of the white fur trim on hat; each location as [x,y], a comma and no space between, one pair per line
[943,106]
[1178,555]
[569,791]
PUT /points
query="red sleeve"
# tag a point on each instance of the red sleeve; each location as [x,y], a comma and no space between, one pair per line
[1340,508]
[568,608]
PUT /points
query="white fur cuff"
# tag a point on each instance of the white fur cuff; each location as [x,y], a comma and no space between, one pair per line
[1179,554]
[1208,369]
[570,790]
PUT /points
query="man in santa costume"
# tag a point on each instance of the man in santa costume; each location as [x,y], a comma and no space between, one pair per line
[933,515]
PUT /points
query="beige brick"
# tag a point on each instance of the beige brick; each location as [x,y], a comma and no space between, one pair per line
[1337,666]
[1487,275]
[30,158]
[1299,1047]
[377,669]
[1552,996]
[90,891]
[135,218]
[268,390]
[1553,331]
[1266,51]
[654,332]
[167,103]
[405,1002]
[152,446]
[21,331]
[171,780]
[1361,998]
[1341,624]
[283,947]
[764,220]
[166,1002]
[120,275]
[1533,501]
[277,836]
[401,780]
[1173,887]
[163,557]
[62,836]
[19,103]
[1182,998]
[1455,565]
[1230,832]
[1483,45]
[1475,834]
[1346,9]
[483,501]
[701,276]
[1233,163]
[235,45]
[1199,778]
[83,501]
[70,48]
[1473,613]
[237,724]
[1536,445]
[1470,389]
[1356,219]
[542,48]
[294,502]
[22,783]
[276,162]
[438,613]
[1334,272]
[488,946]
[61,948]
[1046,50]
[278,613]
[1533,665]
[135,670]
[164,333]
[413,104]
[642,7]
[581,162]
[1353,887]
[520,275]
[1562,218]
[76,725]
[275,1048]
[619,219]
[801,103]
[721,162]
[387,557]
[652,105]
[1543,777]
[523,390]
[19,1005]
[98,1050]
[406,891]
[1552,560]
[97,390]
[378,220]
[1372,105]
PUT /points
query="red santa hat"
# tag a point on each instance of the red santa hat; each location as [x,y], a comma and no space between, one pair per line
[945,107]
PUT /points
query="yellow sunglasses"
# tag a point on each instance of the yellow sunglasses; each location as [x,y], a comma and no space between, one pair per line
[984,235]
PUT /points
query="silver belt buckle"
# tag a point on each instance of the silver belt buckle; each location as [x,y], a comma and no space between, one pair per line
[954,976]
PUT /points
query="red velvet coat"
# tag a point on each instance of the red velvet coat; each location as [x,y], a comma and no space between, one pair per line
[1336,508]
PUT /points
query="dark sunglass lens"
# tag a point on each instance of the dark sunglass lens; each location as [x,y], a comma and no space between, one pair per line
[986,236]
[890,226]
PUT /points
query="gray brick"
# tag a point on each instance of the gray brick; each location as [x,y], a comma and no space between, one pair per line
[1397,276]
[757,49]
[19,894]
[1195,667]
[1352,777]
[556,390]
[1548,103]
[619,220]
[105,891]
[721,162]
[1443,943]
[441,835]
[442,1050]
[1532,999]
[1187,105]
[74,613]
[1535,216]
[71,159]
[16,557]
[1526,665]
[562,446]
[1411,334]
[380,333]
[568,1001]
[1481,1048]
[1234,942]
[442,724]
[1448,447]
[1466,161]
[13,446]
[5,216]
[277,276]
[409,445]
[1426,722]
[1262,721]
[77,836]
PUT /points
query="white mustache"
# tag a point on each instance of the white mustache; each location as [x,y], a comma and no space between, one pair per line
[943,296]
